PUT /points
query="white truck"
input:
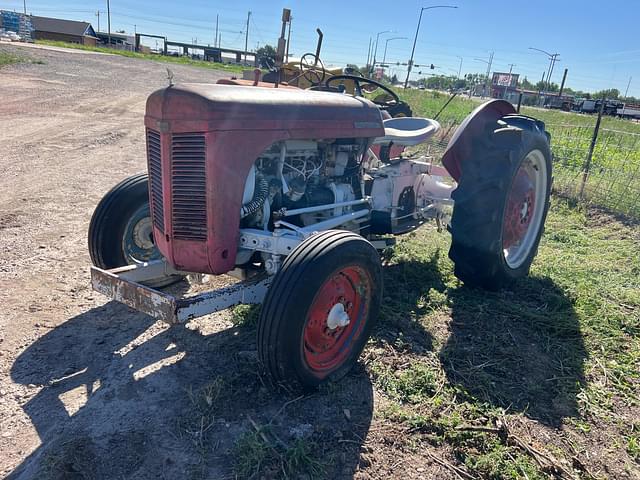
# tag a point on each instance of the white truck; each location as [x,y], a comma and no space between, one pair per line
[631,111]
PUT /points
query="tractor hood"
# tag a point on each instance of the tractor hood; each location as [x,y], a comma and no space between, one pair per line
[215,107]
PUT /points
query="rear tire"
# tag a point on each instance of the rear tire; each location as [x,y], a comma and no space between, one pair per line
[501,203]
[120,231]
[320,309]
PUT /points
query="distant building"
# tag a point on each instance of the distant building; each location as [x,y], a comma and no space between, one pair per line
[71,31]
[505,85]
[118,40]
[18,23]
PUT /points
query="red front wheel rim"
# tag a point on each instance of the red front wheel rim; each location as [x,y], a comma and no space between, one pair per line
[328,339]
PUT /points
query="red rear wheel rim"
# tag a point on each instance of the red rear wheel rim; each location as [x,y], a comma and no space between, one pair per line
[521,205]
[326,349]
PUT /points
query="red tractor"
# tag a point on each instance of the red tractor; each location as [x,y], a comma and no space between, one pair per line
[282,189]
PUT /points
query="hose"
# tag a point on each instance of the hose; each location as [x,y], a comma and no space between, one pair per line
[260,194]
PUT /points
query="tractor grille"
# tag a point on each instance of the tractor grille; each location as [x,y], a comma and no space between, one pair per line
[188,186]
[155,178]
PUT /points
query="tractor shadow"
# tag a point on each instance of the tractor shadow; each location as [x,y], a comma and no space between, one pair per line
[124,396]
[520,349]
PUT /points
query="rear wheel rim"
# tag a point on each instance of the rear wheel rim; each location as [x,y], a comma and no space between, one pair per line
[138,245]
[524,209]
[348,290]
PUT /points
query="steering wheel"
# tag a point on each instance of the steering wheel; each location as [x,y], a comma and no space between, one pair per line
[367,85]
[312,68]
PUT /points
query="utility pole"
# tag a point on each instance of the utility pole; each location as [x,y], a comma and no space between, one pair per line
[460,68]
[286,55]
[415,39]
[553,64]
[564,79]
[368,54]
[109,22]
[98,15]
[220,40]
[626,92]
[541,87]
[486,84]
[511,65]
[25,6]
[215,39]
[553,57]
[246,37]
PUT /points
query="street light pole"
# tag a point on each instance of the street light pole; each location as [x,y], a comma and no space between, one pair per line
[460,68]
[415,39]
[109,23]
[375,51]
[553,57]
[488,62]
[384,57]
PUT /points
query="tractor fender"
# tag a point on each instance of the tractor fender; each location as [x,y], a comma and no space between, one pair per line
[461,144]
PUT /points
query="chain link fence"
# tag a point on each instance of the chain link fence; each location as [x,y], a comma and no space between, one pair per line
[601,167]
[595,165]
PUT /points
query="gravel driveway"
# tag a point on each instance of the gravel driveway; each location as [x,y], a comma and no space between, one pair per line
[90,389]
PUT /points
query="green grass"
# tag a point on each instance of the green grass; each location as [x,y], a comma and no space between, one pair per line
[258,454]
[503,385]
[149,56]
[560,348]
[614,178]
[7,58]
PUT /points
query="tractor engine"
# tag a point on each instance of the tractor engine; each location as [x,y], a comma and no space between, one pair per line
[222,157]
[305,173]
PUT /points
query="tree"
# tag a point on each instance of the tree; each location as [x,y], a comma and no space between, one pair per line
[266,56]
[612,93]
[525,84]
[353,69]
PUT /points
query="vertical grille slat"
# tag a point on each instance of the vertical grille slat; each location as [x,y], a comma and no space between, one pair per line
[154,159]
[188,186]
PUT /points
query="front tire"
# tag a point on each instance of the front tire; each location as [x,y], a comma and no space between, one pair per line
[320,309]
[501,203]
[121,231]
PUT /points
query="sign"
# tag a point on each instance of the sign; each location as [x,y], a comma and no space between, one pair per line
[505,79]
[379,73]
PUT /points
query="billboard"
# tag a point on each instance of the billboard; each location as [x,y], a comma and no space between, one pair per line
[505,79]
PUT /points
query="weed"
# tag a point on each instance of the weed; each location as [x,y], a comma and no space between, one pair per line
[633,447]
[245,315]
[7,58]
[256,454]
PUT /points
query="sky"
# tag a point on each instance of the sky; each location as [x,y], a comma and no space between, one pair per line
[597,42]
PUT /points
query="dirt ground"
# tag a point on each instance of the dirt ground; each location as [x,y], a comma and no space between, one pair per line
[89,388]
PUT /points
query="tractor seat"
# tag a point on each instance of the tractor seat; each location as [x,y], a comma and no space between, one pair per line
[407,131]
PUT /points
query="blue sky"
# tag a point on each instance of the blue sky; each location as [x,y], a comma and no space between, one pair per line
[597,42]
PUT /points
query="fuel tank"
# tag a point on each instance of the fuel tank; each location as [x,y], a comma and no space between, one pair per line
[202,140]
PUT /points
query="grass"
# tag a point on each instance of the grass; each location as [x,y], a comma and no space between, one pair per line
[614,175]
[561,348]
[258,454]
[149,56]
[522,383]
[7,58]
